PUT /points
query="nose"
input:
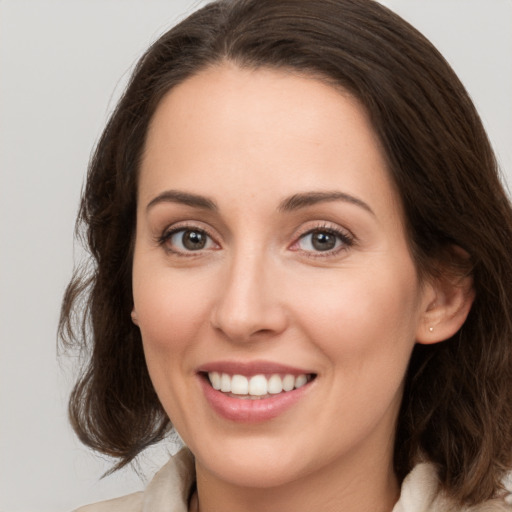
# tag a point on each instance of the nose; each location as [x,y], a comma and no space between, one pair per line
[250,305]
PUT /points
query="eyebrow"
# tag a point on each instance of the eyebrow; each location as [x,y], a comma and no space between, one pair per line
[306,199]
[292,203]
[175,196]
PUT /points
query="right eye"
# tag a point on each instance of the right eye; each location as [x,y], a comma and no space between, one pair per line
[185,240]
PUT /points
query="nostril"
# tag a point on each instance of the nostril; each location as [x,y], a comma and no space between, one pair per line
[246,310]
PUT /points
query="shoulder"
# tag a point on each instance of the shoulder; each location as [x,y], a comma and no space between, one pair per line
[168,490]
[128,503]
[421,492]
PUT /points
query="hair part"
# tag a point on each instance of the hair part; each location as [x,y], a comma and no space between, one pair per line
[457,405]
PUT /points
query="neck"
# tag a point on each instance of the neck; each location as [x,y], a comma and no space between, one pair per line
[370,487]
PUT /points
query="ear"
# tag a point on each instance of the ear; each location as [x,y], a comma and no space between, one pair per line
[448,300]
[135,319]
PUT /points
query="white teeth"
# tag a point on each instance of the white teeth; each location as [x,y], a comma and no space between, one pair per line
[275,385]
[215,380]
[288,382]
[225,383]
[257,385]
[239,385]
[300,381]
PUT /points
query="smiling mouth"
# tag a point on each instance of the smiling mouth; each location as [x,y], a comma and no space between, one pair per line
[256,387]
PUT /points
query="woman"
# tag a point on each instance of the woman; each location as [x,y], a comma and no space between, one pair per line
[302,260]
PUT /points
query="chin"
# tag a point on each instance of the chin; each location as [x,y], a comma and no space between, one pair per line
[253,462]
[256,472]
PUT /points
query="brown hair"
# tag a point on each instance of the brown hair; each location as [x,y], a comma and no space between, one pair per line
[457,405]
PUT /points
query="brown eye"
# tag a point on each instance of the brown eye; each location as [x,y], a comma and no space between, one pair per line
[193,240]
[323,240]
[188,240]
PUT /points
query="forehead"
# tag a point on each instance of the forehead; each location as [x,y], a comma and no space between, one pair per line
[258,103]
[229,130]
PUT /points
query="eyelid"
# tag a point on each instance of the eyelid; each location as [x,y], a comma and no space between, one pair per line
[174,228]
[346,236]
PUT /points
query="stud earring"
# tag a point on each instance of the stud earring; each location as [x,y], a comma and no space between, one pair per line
[431,329]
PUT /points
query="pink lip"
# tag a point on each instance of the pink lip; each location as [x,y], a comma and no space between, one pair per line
[247,410]
[250,368]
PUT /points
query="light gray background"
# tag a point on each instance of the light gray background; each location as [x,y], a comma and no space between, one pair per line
[63,64]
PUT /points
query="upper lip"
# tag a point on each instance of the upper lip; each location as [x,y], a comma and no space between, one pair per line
[249,368]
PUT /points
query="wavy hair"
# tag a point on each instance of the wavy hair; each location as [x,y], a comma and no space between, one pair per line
[457,404]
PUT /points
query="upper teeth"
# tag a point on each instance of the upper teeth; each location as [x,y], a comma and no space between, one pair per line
[257,385]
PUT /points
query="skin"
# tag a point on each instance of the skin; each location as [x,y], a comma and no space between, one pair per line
[247,140]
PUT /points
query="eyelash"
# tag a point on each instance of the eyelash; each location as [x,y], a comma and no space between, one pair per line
[168,234]
[345,239]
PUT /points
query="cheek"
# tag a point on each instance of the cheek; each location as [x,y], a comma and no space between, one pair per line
[171,312]
[365,319]
[365,328]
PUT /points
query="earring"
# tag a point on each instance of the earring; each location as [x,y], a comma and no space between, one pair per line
[431,329]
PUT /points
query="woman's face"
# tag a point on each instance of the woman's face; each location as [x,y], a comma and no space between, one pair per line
[271,253]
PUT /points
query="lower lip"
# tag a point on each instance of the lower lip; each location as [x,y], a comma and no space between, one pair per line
[250,410]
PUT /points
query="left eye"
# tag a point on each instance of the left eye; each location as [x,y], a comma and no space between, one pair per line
[185,240]
[320,241]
